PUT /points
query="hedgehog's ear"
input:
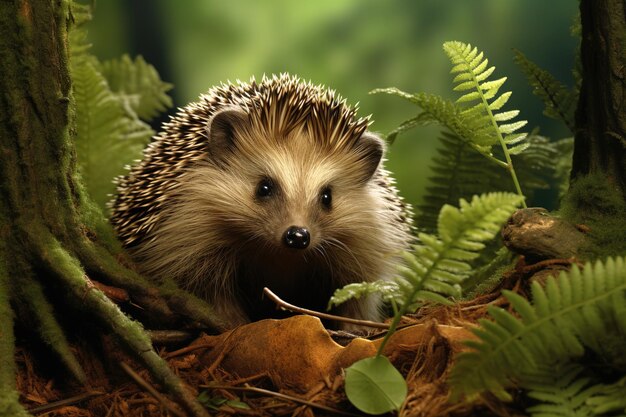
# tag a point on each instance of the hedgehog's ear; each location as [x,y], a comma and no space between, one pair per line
[222,128]
[370,149]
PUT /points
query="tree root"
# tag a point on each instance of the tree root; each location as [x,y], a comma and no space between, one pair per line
[9,404]
[52,236]
[40,311]
[69,274]
[163,304]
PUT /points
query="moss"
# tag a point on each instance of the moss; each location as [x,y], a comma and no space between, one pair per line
[594,202]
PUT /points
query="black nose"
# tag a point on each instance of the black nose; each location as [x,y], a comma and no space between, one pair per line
[297,237]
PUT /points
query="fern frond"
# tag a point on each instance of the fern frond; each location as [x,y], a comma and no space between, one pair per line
[559,101]
[561,390]
[139,83]
[482,94]
[582,309]
[108,134]
[458,172]
[440,263]
[81,14]
[611,400]
[388,290]
[445,112]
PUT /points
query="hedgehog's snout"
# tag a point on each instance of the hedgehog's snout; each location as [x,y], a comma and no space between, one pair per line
[297,237]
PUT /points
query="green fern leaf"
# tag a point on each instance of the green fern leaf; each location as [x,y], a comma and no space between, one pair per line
[610,399]
[440,264]
[460,121]
[108,135]
[139,83]
[560,103]
[561,391]
[582,309]
[467,61]
[388,290]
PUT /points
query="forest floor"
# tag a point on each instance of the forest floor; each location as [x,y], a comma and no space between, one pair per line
[268,368]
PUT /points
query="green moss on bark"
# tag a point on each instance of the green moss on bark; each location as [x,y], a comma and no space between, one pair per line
[598,205]
[51,234]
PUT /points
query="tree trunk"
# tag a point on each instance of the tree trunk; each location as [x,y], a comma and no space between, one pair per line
[600,139]
[51,235]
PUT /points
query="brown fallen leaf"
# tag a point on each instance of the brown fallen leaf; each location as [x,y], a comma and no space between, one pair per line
[297,353]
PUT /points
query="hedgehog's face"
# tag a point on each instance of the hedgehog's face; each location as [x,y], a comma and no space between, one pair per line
[291,194]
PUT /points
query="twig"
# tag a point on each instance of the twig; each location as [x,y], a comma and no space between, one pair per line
[281,396]
[283,304]
[188,349]
[169,337]
[151,390]
[250,378]
[66,401]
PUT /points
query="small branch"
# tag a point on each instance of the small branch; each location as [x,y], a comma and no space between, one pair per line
[285,305]
[188,349]
[151,390]
[281,396]
[170,337]
[64,402]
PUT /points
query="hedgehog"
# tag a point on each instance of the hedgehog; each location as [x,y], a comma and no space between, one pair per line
[272,184]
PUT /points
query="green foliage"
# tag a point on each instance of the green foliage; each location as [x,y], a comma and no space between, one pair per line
[215,402]
[475,118]
[374,386]
[610,400]
[109,132]
[435,269]
[482,116]
[561,391]
[458,172]
[581,311]
[389,291]
[560,102]
[438,264]
[139,84]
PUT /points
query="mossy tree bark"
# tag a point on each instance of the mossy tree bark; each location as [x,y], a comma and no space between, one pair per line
[51,236]
[600,139]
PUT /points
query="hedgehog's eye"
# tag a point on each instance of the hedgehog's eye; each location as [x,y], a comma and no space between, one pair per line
[326,197]
[265,188]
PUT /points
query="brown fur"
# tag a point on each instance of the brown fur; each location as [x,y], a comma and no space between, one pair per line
[189,209]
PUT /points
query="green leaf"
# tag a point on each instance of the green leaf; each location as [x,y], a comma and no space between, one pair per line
[504,116]
[215,402]
[500,101]
[238,404]
[374,386]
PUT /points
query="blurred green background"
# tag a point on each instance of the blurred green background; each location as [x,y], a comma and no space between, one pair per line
[352,46]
